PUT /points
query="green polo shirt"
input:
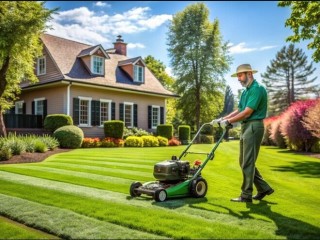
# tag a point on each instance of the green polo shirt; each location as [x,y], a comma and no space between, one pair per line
[255,97]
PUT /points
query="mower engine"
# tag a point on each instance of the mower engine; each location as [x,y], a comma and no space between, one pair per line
[171,170]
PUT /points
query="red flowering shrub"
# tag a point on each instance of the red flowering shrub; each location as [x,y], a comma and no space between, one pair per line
[275,133]
[112,142]
[90,142]
[311,120]
[267,141]
[174,142]
[297,136]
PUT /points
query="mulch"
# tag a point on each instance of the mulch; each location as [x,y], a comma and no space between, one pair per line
[27,157]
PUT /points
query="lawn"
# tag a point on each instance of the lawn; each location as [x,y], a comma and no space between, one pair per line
[84,193]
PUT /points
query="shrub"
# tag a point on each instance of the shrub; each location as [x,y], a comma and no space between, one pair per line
[174,142]
[5,154]
[311,119]
[150,141]
[113,129]
[133,141]
[90,142]
[163,141]
[316,147]
[184,134]
[296,135]
[40,146]
[165,130]
[266,140]
[235,132]
[112,142]
[69,136]
[206,139]
[135,132]
[54,121]
[16,145]
[276,135]
[49,141]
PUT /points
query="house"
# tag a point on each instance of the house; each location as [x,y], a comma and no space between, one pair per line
[93,85]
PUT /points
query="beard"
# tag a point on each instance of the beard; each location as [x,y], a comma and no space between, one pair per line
[246,82]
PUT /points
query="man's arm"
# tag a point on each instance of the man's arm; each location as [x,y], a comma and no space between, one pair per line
[237,116]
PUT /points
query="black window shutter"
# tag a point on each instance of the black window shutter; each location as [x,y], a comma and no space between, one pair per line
[149,117]
[95,113]
[121,105]
[161,115]
[135,115]
[12,110]
[23,108]
[45,108]
[32,107]
[113,111]
[76,111]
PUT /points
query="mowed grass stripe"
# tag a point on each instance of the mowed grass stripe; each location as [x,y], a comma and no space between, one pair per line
[64,223]
[114,172]
[176,224]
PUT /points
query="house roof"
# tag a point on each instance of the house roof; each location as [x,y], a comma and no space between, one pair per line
[91,50]
[131,61]
[65,53]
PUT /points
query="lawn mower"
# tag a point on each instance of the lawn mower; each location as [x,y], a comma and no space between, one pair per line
[175,178]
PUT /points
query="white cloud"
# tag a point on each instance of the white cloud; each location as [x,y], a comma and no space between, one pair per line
[102,4]
[135,45]
[82,24]
[242,48]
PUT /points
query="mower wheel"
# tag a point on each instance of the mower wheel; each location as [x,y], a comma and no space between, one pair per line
[198,188]
[133,191]
[160,195]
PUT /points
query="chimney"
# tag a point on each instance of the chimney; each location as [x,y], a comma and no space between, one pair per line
[120,46]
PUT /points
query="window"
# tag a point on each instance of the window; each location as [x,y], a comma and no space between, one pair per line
[38,106]
[138,74]
[128,114]
[97,65]
[84,111]
[41,65]
[19,107]
[155,116]
[105,111]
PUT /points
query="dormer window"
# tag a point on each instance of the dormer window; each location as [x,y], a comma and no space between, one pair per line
[138,74]
[97,65]
[41,65]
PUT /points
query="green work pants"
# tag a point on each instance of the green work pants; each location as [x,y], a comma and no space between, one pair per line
[250,140]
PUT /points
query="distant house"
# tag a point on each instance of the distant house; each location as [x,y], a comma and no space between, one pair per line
[93,85]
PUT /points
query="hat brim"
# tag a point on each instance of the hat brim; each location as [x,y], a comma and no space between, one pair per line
[235,74]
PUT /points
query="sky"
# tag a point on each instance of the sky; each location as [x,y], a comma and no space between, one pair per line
[254,30]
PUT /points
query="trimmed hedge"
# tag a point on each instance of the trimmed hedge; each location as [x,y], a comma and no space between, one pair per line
[69,136]
[133,141]
[54,121]
[113,129]
[163,141]
[150,141]
[165,130]
[184,134]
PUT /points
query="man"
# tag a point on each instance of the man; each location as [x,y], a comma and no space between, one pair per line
[252,109]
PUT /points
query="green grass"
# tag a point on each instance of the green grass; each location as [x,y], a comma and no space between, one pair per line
[84,194]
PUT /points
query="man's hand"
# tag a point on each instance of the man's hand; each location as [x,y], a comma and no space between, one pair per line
[224,123]
[216,121]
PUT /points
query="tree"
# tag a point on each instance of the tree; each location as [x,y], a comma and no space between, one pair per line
[228,101]
[158,70]
[305,23]
[21,24]
[287,79]
[199,60]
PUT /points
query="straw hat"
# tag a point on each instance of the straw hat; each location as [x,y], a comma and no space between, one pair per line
[244,68]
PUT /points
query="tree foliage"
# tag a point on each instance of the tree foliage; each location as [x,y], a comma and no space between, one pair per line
[228,101]
[288,79]
[199,60]
[305,23]
[21,24]
[311,120]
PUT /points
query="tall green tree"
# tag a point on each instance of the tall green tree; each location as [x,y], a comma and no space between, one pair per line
[158,69]
[21,24]
[199,59]
[288,79]
[305,23]
[228,106]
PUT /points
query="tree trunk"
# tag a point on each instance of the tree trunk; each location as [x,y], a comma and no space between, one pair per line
[3,84]
[3,131]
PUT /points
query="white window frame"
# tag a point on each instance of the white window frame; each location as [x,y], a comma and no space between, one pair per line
[136,69]
[18,106]
[89,99]
[109,110]
[131,114]
[93,58]
[152,116]
[40,70]
[36,101]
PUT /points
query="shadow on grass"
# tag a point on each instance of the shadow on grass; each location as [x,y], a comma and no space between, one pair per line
[305,168]
[288,227]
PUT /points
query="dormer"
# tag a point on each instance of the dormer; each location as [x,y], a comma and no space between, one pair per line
[135,68]
[94,59]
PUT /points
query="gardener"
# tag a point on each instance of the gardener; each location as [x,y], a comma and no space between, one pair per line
[252,109]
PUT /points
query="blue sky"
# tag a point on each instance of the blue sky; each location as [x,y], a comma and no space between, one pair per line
[254,29]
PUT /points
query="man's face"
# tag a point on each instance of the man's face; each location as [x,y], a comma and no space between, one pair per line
[243,79]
